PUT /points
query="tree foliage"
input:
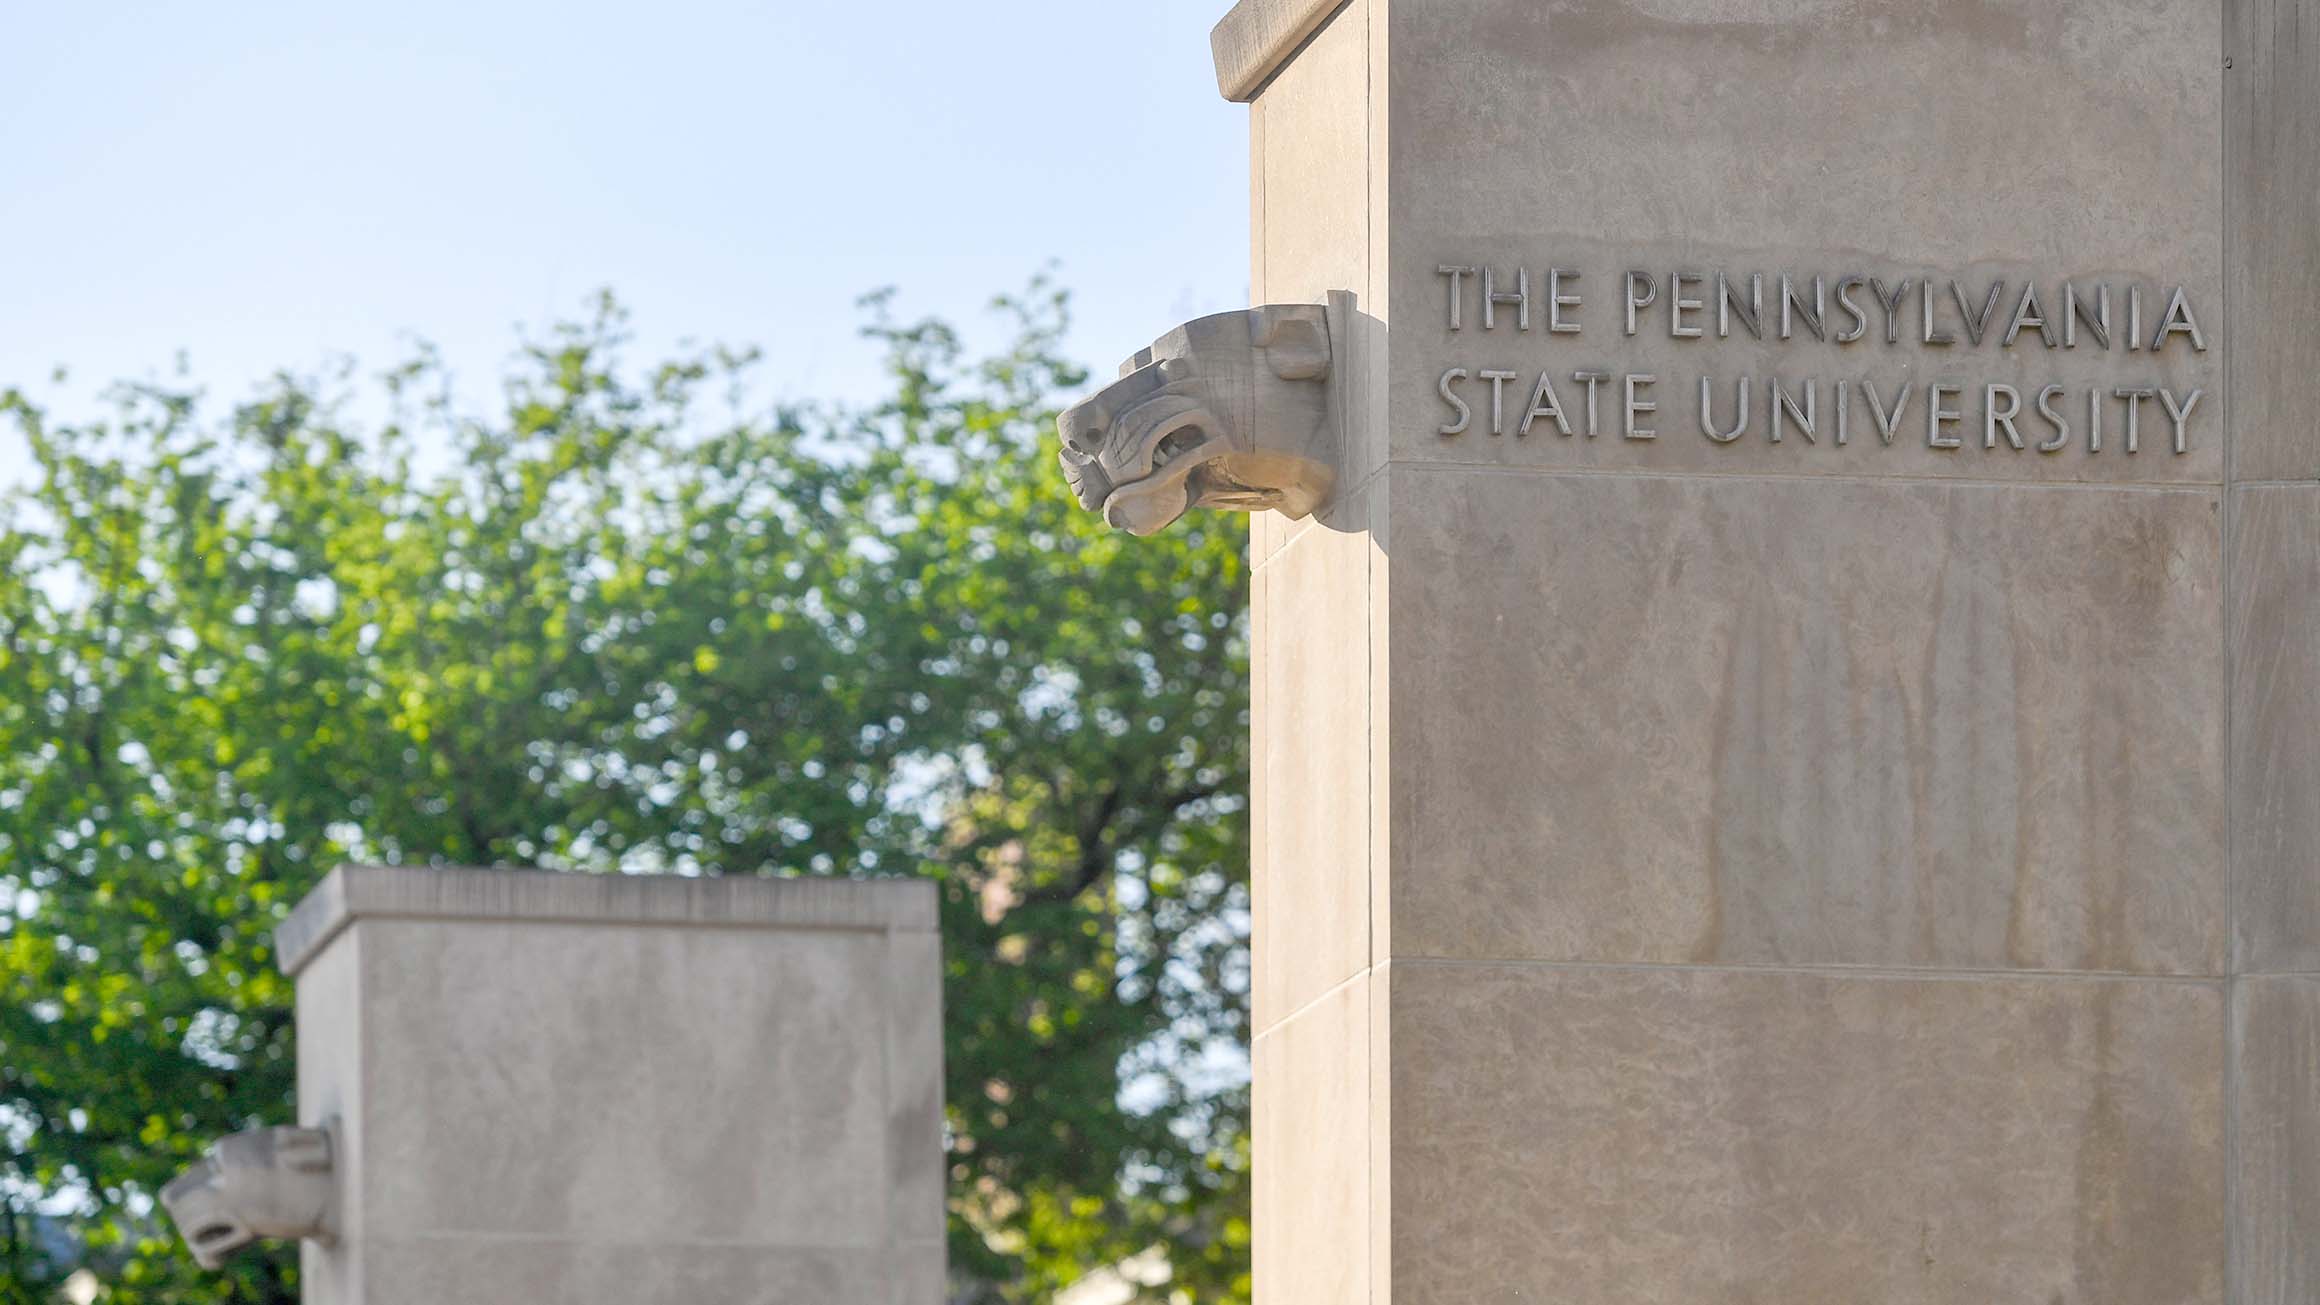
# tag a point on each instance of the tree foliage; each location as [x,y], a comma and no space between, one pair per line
[623,622]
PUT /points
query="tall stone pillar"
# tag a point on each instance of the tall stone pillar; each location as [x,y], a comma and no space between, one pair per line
[1788,756]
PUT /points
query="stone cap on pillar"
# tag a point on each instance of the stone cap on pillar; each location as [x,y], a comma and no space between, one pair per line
[352,893]
[1258,36]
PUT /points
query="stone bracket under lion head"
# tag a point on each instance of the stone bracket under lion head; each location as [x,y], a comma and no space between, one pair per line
[1231,411]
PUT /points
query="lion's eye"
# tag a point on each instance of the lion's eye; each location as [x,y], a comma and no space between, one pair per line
[1177,442]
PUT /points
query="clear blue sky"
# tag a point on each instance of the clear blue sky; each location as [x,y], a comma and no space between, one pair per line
[265,183]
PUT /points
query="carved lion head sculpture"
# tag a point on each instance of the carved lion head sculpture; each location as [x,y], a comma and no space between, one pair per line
[1225,411]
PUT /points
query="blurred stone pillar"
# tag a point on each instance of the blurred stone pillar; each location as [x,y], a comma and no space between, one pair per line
[607,1090]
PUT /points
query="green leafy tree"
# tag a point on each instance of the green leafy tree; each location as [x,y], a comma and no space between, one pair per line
[624,623]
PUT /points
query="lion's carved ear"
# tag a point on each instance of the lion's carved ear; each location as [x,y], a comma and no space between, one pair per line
[1259,379]
[1296,344]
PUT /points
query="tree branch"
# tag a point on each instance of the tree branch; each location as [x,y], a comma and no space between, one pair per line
[1094,852]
